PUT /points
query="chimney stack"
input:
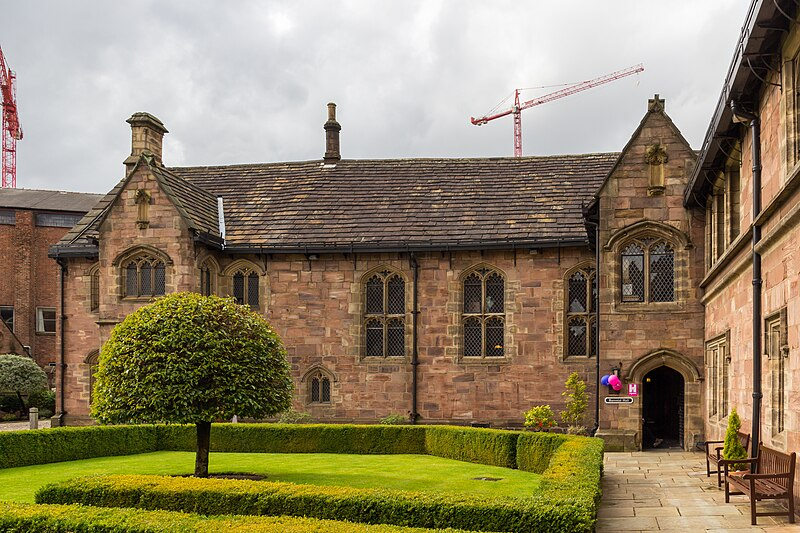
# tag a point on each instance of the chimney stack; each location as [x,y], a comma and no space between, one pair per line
[332,129]
[147,135]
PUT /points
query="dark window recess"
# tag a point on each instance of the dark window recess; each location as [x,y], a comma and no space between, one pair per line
[384,317]
[7,315]
[662,279]
[94,290]
[320,389]
[653,261]
[581,302]
[484,314]
[145,276]
[245,288]
[45,320]
[633,274]
[205,281]
[8,217]
[57,220]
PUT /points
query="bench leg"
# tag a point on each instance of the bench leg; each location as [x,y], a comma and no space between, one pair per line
[727,493]
[719,477]
[791,507]
[752,510]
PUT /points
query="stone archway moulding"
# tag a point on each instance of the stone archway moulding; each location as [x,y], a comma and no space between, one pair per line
[668,358]
[649,227]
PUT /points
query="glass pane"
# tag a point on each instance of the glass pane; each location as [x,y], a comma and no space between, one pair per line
[131,281]
[494,337]
[374,339]
[95,291]
[633,274]
[315,390]
[495,293]
[326,390]
[396,338]
[205,282]
[397,296]
[146,280]
[577,293]
[593,339]
[662,278]
[473,294]
[252,290]
[375,295]
[594,291]
[238,287]
[160,283]
[576,336]
[473,337]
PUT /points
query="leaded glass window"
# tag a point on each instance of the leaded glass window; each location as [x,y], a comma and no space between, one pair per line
[145,275]
[246,287]
[581,298]
[483,314]
[385,315]
[320,388]
[94,289]
[648,272]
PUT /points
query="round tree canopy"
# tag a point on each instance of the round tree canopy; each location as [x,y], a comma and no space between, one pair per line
[21,375]
[187,358]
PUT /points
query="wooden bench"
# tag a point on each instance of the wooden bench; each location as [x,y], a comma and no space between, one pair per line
[714,454]
[773,480]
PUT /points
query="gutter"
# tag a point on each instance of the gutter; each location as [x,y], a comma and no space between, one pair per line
[414,341]
[62,366]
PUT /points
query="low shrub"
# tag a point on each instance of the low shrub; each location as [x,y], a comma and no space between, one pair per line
[539,418]
[534,450]
[291,416]
[44,400]
[394,419]
[23,448]
[217,497]
[474,445]
[79,518]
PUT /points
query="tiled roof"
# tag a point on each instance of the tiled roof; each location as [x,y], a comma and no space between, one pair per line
[74,202]
[404,202]
[382,204]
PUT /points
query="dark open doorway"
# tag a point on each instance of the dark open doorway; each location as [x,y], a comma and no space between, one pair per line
[662,409]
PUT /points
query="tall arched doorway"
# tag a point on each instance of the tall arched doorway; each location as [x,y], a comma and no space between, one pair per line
[663,408]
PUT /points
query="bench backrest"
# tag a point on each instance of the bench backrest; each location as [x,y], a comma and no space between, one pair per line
[774,462]
[744,440]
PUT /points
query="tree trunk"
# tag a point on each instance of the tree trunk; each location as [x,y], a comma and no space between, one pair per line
[203,444]
[22,404]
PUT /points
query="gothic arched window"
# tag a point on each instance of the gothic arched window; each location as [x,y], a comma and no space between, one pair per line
[145,275]
[385,315]
[648,272]
[581,298]
[245,287]
[483,315]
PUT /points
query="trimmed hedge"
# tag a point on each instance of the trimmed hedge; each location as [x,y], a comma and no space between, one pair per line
[566,501]
[294,438]
[216,497]
[80,519]
[24,448]
[473,445]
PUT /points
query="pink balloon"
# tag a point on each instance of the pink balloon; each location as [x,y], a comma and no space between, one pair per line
[617,385]
[614,380]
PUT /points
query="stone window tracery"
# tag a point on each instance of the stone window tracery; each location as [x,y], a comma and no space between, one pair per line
[483,313]
[144,275]
[320,388]
[648,271]
[246,287]
[385,315]
[581,298]
[208,277]
[94,289]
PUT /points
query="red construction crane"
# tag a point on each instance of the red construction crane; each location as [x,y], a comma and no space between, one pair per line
[566,91]
[12,132]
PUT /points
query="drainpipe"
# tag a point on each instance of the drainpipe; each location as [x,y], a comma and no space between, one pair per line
[61,365]
[414,349]
[596,310]
[745,117]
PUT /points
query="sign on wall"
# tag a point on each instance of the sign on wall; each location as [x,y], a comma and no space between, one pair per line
[633,389]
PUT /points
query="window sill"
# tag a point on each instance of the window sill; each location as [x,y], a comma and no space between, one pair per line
[137,299]
[484,360]
[46,333]
[648,307]
[379,358]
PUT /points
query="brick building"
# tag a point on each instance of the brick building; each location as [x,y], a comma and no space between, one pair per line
[30,222]
[448,290]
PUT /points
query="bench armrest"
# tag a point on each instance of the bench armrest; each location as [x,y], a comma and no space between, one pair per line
[710,442]
[766,476]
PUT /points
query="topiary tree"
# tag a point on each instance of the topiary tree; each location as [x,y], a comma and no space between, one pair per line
[577,401]
[191,359]
[21,375]
[733,449]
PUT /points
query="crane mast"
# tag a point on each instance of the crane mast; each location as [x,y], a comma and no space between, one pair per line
[12,132]
[516,110]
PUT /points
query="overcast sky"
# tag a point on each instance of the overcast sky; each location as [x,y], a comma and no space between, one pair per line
[248,81]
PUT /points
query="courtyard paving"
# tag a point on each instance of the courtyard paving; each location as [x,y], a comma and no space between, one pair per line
[667,490]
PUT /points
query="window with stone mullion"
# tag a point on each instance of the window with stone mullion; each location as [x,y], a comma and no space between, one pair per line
[581,301]
[484,314]
[385,308]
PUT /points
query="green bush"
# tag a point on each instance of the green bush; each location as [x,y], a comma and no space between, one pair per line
[539,417]
[78,518]
[534,450]
[218,497]
[43,399]
[474,445]
[23,448]
[732,448]
[290,416]
[394,419]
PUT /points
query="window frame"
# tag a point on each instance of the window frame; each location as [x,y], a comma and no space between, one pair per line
[588,314]
[483,316]
[41,321]
[646,244]
[155,263]
[718,360]
[776,348]
[5,309]
[389,319]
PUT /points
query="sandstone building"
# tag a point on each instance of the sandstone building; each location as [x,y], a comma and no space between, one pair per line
[30,222]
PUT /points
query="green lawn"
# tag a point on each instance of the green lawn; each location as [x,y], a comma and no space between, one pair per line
[404,472]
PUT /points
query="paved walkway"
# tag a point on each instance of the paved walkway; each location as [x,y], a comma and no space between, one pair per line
[24,424]
[668,491]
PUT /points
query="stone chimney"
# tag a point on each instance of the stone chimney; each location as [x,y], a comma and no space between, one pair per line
[147,135]
[332,129]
